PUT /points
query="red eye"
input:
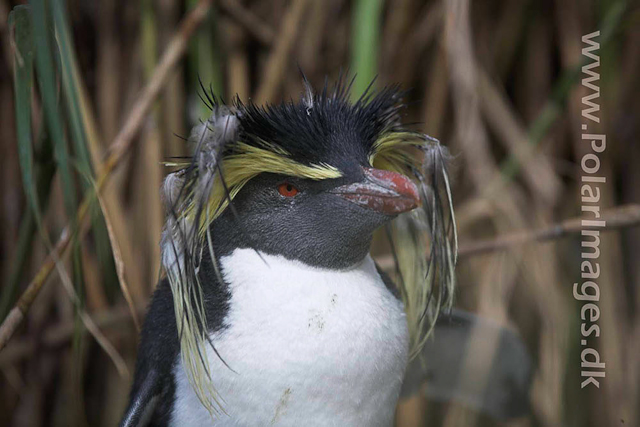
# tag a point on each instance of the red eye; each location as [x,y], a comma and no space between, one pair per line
[287,190]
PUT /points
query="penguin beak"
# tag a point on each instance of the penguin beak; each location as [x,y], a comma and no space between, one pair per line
[383,191]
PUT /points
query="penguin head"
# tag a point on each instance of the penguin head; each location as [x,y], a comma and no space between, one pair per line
[327,223]
[325,219]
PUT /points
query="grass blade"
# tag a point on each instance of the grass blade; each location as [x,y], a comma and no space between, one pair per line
[46,68]
[36,192]
[20,22]
[204,60]
[365,43]
[76,118]
[28,226]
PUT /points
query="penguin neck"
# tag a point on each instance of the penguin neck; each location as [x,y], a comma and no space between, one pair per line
[228,235]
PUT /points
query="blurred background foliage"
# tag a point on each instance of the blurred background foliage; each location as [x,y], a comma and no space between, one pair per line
[497,81]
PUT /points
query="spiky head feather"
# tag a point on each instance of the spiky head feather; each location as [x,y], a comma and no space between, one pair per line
[322,137]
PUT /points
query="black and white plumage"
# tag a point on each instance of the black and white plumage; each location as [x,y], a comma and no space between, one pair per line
[272,311]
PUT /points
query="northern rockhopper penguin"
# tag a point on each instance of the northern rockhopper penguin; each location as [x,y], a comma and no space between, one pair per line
[272,311]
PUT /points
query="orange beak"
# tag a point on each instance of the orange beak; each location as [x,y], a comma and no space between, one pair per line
[383,191]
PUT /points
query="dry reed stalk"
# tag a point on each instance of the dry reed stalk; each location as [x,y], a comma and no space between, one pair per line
[88,322]
[493,296]
[537,170]
[616,218]
[108,81]
[540,279]
[37,376]
[507,34]
[119,262]
[174,94]
[395,34]
[237,62]
[111,320]
[251,22]
[147,205]
[493,290]
[411,412]
[309,49]
[277,61]
[469,130]
[534,79]
[118,149]
[110,200]
[10,215]
[619,217]
[337,51]
[427,29]
[6,44]
[95,297]
[436,95]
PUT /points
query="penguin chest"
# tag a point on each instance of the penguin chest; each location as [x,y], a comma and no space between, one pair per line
[305,346]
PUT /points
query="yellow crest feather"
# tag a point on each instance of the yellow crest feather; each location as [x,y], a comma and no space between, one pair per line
[247,162]
[423,269]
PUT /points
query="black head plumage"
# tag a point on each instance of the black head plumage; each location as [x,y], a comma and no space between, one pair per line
[328,128]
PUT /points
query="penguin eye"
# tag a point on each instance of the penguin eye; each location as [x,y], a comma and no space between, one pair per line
[287,190]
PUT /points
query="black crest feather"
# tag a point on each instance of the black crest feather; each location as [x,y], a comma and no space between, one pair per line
[331,130]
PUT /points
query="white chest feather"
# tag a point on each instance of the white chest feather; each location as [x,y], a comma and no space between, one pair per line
[308,346]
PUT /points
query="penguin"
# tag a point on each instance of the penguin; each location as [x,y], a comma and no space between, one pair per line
[271,310]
